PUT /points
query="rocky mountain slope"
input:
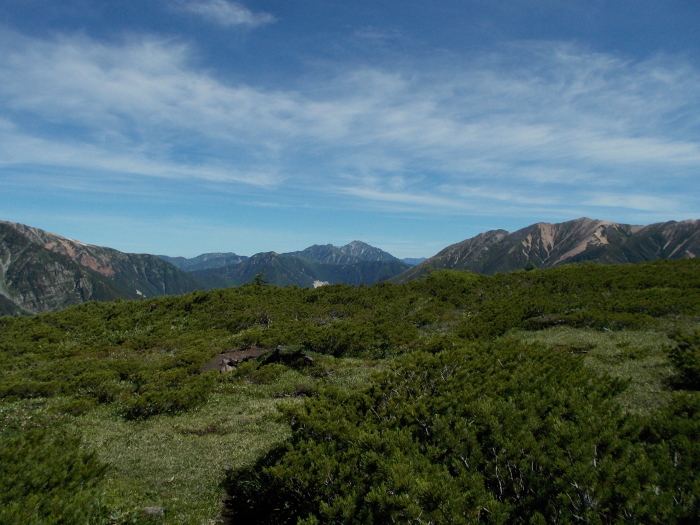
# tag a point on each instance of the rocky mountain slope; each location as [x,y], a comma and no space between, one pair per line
[42,271]
[364,252]
[544,245]
[34,279]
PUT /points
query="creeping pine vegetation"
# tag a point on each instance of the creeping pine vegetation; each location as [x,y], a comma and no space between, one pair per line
[548,396]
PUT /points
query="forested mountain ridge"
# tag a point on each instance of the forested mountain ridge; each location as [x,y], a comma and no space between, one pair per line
[44,271]
[545,245]
[286,269]
[204,261]
[351,253]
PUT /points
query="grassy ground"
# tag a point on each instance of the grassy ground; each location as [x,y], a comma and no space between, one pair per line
[177,462]
[636,355]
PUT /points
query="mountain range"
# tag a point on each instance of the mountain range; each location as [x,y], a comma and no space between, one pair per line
[286,269]
[351,253]
[42,271]
[205,261]
[544,245]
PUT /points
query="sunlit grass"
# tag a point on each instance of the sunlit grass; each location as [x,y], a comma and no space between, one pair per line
[177,462]
[637,355]
[356,373]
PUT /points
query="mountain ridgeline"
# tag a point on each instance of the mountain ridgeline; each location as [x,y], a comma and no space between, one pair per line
[351,253]
[42,271]
[545,245]
[205,261]
[284,270]
[355,263]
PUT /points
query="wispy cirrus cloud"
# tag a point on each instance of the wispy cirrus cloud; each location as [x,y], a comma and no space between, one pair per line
[629,200]
[376,34]
[225,13]
[519,128]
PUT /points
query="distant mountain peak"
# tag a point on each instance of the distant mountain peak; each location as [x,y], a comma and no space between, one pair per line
[351,253]
[366,252]
[205,261]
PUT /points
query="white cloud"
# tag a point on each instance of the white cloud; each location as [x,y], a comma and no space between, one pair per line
[524,127]
[376,34]
[226,13]
[401,198]
[18,149]
[633,201]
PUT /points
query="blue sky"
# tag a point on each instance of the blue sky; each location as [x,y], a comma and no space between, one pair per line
[188,126]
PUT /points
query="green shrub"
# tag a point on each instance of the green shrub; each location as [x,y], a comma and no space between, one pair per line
[540,436]
[494,433]
[167,392]
[103,385]
[46,478]
[77,406]
[686,359]
[268,374]
[28,389]
[672,436]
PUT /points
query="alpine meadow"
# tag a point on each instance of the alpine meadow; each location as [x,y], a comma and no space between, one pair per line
[546,396]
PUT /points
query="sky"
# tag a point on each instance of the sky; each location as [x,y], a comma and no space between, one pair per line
[182,127]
